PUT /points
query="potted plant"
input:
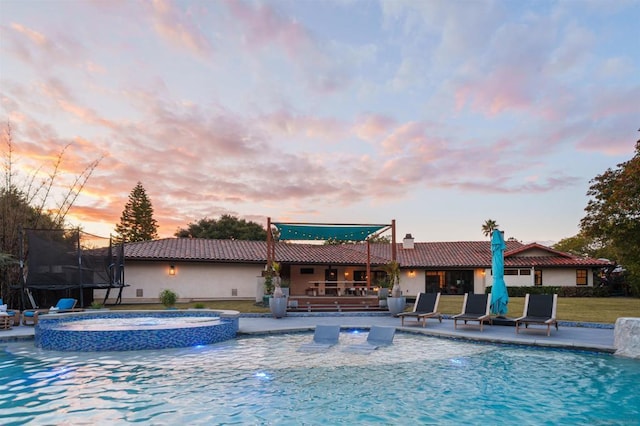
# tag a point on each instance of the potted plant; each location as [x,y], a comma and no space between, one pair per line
[277,303]
[383,294]
[383,291]
[396,302]
[284,285]
[168,298]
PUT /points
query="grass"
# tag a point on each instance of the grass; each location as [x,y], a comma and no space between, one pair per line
[581,309]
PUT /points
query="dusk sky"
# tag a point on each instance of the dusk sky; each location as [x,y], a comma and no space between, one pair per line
[438,114]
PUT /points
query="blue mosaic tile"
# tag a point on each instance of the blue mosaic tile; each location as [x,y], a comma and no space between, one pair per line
[55,332]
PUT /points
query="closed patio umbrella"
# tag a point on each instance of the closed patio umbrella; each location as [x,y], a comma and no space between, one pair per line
[499,296]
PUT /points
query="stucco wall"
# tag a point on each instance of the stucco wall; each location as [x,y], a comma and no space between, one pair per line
[191,281]
[194,281]
[556,277]
[412,283]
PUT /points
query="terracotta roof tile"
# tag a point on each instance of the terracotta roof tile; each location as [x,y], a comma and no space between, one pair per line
[460,254]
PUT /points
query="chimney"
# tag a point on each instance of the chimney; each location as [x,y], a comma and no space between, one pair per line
[407,242]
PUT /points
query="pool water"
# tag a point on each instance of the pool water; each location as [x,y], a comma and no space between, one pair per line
[136,323]
[264,380]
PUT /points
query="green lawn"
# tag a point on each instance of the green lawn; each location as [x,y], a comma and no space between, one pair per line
[582,309]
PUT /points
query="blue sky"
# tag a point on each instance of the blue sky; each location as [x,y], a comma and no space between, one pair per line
[438,114]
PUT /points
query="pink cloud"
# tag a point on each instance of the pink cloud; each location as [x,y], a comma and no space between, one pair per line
[176,27]
[265,26]
[261,29]
[328,129]
[373,127]
[43,51]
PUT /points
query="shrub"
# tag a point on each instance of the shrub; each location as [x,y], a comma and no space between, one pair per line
[168,298]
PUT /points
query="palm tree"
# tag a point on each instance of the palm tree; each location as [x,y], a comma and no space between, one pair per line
[489,226]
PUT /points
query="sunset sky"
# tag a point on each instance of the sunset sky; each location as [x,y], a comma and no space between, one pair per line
[438,114]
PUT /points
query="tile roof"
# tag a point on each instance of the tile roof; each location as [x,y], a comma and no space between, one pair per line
[461,254]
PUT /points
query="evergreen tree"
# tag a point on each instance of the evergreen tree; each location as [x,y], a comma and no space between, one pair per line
[137,222]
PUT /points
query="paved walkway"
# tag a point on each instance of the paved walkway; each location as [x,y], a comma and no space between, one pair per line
[581,338]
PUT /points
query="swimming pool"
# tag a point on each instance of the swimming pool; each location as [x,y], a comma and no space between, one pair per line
[264,380]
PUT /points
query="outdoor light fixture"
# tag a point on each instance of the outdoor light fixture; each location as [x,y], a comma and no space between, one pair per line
[172,270]
[412,273]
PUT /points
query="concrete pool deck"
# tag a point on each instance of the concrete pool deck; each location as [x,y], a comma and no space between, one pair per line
[594,337]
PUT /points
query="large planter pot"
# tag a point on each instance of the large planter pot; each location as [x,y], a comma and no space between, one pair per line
[396,304]
[278,306]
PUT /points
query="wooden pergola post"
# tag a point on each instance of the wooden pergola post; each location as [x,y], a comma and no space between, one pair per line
[368,265]
[270,246]
[393,240]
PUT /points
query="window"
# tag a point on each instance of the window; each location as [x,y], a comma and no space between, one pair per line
[538,278]
[525,271]
[581,277]
[511,272]
[359,275]
[306,271]
[331,274]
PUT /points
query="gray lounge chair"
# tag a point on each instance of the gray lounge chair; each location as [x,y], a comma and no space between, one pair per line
[426,306]
[324,337]
[539,309]
[475,307]
[378,336]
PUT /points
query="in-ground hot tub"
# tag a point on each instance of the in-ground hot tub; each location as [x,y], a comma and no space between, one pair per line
[134,330]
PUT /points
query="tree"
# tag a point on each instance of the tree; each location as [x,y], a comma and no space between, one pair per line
[489,226]
[226,228]
[26,201]
[137,222]
[612,217]
[584,246]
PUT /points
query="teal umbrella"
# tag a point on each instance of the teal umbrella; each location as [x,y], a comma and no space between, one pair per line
[499,296]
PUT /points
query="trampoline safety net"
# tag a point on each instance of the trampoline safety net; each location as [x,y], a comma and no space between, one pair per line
[71,260]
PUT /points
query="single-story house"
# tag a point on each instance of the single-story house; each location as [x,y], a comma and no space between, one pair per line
[204,269]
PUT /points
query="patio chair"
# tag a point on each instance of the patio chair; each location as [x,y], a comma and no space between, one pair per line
[13,316]
[378,336]
[539,309]
[475,307]
[426,306]
[324,337]
[30,316]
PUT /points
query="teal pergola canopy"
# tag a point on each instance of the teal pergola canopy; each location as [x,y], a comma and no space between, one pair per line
[306,232]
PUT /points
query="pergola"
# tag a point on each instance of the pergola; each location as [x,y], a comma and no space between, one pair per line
[297,231]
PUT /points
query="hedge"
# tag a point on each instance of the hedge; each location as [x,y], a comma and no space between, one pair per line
[561,291]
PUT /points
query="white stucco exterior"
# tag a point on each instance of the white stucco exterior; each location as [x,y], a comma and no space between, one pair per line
[195,281]
[192,281]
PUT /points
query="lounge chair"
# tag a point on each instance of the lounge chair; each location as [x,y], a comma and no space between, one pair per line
[30,316]
[539,309]
[378,336]
[13,316]
[426,306]
[324,337]
[475,307]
